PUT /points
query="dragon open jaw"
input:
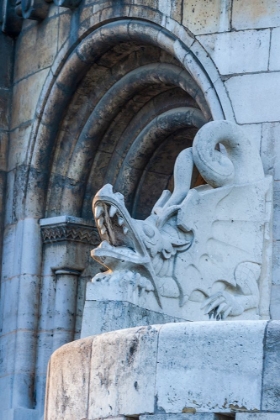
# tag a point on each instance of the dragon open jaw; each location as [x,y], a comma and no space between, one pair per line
[119,238]
[142,250]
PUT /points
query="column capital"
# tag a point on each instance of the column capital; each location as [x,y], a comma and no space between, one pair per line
[69,229]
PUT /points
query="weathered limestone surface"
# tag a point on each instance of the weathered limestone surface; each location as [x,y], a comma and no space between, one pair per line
[27,92]
[274,63]
[257,416]
[185,416]
[69,126]
[238,52]
[207,16]
[271,378]
[72,367]
[67,242]
[197,367]
[6,69]
[123,387]
[135,351]
[255,14]
[210,367]
[255,89]
[33,43]
[20,414]
[109,315]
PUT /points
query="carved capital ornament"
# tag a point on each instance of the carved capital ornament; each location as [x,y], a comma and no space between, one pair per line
[70,229]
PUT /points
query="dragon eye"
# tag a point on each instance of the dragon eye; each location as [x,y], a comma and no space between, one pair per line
[149,231]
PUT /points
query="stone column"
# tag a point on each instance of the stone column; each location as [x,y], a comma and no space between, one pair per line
[65,306]
[20,291]
[66,267]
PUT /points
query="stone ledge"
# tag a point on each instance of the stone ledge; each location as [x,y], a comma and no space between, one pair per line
[201,367]
[110,315]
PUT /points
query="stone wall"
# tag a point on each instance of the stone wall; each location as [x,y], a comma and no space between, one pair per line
[78,120]
[6,52]
[200,370]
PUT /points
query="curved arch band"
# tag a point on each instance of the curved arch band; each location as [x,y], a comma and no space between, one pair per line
[90,49]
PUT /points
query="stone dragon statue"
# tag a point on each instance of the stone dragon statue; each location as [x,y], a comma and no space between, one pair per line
[199,255]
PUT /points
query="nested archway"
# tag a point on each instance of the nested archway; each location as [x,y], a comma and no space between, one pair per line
[120,110]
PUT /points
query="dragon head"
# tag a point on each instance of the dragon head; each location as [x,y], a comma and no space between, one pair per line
[146,248]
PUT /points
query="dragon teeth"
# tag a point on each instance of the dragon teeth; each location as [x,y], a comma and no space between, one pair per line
[104,244]
[112,211]
[100,222]
[120,221]
[125,230]
[103,230]
[119,196]
[98,210]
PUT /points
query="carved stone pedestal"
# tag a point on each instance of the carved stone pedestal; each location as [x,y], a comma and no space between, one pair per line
[201,370]
[110,315]
[257,416]
[212,416]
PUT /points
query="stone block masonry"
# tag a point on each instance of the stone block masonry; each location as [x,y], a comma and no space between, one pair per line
[201,368]
[73,118]
[238,52]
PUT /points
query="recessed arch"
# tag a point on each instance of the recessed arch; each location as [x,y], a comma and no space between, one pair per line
[144,148]
[68,188]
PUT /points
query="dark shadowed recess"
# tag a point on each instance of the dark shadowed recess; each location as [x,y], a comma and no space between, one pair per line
[130,116]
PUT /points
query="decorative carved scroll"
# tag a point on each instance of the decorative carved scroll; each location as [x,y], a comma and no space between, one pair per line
[202,253]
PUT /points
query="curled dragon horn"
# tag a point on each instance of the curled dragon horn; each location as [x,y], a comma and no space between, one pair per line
[182,177]
[242,163]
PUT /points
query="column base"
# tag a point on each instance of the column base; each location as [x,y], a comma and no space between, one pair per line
[20,414]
